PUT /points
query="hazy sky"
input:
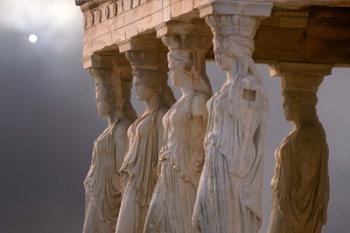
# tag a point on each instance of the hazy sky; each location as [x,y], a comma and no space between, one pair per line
[48,121]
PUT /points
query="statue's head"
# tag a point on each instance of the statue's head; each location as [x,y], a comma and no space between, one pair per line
[152,83]
[186,59]
[181,67]
[224,52]
[187,69]
[147,84]
[300,96]
[233,38]
[113,93]
[299,106]
[105,96]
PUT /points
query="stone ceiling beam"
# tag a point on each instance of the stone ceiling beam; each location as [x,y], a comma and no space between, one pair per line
[241,7]
[312,35]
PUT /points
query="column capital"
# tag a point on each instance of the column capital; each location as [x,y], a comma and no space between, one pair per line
[284,68]
[174,28]
[96,61]
[103,74]
[185,35]
[112,67]
[144,53]
[141,43]
[300,76]
[258,8]
[104,61]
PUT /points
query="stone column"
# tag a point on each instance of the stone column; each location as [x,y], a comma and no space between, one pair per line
[229,196]
[182,153]
[112,76]
[148,60]
[300,182]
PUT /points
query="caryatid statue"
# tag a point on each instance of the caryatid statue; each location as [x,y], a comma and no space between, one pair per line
[300,183]
[102,183]
[139,169]
[230,189]
[182,152]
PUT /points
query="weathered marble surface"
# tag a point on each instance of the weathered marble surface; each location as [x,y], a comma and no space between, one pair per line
[102,183]
[296,30]
[182,153]
[295,4]
[139,169]
[230,189]
[300,183]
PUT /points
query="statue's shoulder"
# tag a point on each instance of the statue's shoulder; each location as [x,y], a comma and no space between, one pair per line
[310,135]
[198,105]
[200,98]
[121,130]
[250,80]
[310,145]
[160,114]
[312,130]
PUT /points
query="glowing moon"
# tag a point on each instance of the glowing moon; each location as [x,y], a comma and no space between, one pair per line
[33,38]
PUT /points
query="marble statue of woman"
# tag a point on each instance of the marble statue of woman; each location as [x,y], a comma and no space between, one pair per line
[102,183]
[139,169]
[230,187]
[182,153]
[300,182]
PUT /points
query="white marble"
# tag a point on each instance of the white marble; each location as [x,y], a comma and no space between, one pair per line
[103,182]
[230,188]
[139,169]
[182,152]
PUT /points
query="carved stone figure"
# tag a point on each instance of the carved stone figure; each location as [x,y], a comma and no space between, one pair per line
[230,188]
[139,169]
[182,152]
[102,183]
[300,183]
